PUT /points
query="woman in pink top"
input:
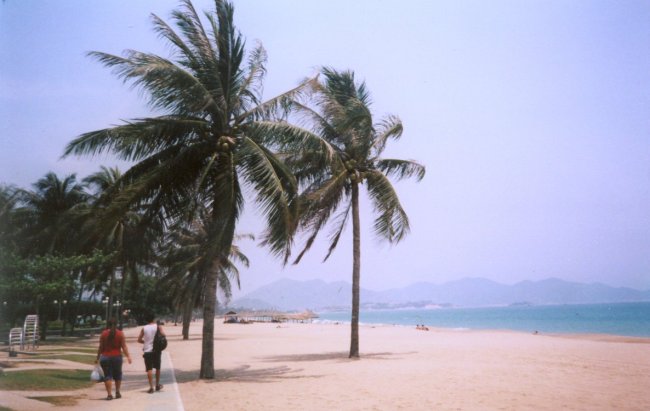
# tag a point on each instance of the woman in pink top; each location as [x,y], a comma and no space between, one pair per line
[109,356]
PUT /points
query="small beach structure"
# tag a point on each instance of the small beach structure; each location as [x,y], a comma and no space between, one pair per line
[268,316]
[230,317]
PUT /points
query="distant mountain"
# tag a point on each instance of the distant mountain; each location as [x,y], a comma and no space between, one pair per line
[469,292]
[297,295]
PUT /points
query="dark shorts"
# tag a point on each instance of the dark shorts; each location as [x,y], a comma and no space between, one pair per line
[112,367]
[152,360]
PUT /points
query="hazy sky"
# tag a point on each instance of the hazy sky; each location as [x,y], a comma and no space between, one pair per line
[532,118]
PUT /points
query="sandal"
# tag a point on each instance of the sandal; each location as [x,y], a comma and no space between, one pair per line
[150,391]
[118,395]
[159,387]
[110,397]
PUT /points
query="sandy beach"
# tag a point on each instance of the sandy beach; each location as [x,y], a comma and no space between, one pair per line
[305,367]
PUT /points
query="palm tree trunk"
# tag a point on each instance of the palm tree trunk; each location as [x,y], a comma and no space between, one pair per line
[109,307]
[75,309]
[209,305]
[121,299]
[187,318]
[356,271]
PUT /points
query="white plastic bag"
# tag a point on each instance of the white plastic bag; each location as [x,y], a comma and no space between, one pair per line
[98,374]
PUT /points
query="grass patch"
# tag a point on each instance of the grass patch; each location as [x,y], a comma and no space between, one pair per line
[89,350]
[58,341]
[5,408]
[45,380]
[58,400]
[80,358]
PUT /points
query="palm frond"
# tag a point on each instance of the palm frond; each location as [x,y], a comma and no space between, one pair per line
[169,86]
[278,106]
[340,221]
[251,86]
[289,138]
[140,138]
[275,189]
[318,203]
[390,127]
[392,222]
[401,169]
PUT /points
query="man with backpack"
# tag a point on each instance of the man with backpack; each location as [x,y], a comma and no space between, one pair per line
[152,352]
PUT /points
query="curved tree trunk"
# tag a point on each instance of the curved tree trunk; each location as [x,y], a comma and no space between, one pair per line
[356,271]
[209,305]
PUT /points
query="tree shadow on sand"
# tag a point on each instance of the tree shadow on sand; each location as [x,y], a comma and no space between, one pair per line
[180,339]
[245,373]
[340,356]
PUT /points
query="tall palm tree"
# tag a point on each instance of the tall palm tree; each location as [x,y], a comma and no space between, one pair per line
[200,151]
[125,234]
[342,123]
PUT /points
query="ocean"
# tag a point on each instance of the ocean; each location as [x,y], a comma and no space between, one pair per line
[626,319]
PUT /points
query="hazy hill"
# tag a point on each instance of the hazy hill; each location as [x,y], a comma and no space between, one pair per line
[291,294]
[469,292]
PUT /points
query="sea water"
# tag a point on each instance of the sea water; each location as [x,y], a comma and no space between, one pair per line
[627,319]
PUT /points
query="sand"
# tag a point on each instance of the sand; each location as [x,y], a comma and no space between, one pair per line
[305,367]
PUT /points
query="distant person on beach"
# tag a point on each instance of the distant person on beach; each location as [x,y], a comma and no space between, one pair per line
[151,357]
[109,356]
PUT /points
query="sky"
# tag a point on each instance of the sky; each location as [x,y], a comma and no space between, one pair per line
[531,117]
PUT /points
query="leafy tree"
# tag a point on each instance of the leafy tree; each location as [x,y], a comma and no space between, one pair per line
[200,151]
[344,155]
[37,281]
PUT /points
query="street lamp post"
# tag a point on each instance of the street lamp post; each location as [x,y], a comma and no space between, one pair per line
[58,317]
[120,278]
[105,301]
[65,302]
[116,306]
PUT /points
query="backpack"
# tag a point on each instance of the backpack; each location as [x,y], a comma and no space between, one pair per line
[159,341]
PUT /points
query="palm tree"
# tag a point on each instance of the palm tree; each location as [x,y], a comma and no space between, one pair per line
[9,197]
[47,216]
[125,234]
[200,151]
[342,122]
[183,259]
[48,224]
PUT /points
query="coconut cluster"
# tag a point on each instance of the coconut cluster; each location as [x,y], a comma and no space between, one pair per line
[226,144]
[353,172]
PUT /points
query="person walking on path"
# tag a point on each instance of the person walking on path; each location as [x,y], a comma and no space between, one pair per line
[109,356]
[151,357]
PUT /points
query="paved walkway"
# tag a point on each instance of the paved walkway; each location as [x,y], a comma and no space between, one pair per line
[134,393]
